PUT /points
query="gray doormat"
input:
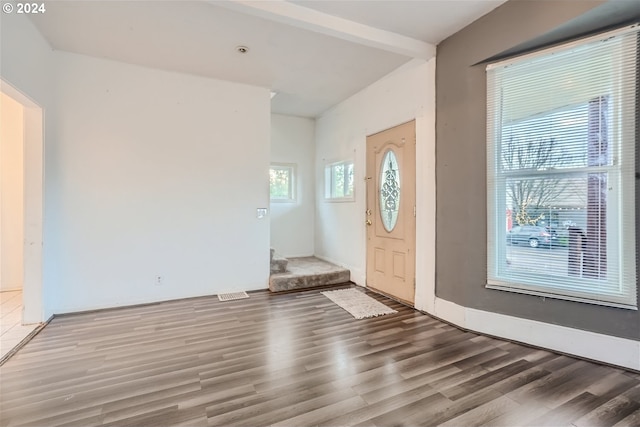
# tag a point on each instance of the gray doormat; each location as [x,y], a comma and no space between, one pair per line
[358,304]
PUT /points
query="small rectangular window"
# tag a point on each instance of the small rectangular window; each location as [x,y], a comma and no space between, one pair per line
[282,182]
[339,181]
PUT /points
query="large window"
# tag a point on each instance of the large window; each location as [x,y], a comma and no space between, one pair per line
[560,171]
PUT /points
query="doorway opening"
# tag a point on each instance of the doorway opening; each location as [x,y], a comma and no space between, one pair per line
[21,201]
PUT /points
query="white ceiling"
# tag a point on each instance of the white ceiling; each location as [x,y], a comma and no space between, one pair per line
[314,54]
[428,20]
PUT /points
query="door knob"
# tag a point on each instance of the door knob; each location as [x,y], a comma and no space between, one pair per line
[368,222]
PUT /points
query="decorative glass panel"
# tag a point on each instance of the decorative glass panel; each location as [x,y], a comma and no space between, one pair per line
[389,190]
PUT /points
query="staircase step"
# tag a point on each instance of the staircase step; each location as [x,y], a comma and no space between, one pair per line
[279,265]
[308,272]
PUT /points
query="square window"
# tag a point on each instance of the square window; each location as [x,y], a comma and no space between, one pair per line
[339,185]
[282,182]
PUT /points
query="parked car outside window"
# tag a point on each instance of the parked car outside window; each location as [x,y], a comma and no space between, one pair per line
[531,235]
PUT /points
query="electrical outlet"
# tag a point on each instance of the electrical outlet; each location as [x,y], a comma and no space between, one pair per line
[159,280]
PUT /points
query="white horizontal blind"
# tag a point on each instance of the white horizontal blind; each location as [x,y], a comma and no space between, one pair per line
[561,146]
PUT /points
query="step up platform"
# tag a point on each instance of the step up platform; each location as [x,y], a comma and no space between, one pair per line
[278,263]
[308,272]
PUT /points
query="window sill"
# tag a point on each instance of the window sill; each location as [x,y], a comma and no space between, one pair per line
[504,287]
[340,200]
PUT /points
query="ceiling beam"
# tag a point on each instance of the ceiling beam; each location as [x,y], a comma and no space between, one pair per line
[309,19]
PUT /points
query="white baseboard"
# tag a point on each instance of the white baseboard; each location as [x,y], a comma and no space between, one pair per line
[589,345]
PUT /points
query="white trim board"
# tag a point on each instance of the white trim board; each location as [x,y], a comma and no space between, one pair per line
[334,26]
[590,345]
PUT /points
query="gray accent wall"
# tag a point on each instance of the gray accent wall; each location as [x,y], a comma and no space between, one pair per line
[461,246]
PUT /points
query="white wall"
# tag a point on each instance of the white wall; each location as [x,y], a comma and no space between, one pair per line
[154,174]
[405,94]
[292,223]
[147,173]
[27,74]
[11,189]
[26,58]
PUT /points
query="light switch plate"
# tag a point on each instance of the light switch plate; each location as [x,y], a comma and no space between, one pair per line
[261,213]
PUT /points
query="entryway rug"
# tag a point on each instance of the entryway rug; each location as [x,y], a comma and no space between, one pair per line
[358,304]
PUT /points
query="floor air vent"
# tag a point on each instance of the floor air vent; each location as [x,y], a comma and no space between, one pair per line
[233,296]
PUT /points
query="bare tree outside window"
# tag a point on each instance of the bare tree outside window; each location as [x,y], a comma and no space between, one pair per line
[531,196]
[561,127]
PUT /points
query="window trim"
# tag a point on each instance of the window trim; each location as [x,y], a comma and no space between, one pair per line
[292,168]
[564,46]
[617,176]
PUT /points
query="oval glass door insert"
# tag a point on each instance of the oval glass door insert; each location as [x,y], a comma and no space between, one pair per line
[389,190]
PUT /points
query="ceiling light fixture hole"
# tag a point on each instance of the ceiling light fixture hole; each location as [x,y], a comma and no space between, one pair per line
[242,49]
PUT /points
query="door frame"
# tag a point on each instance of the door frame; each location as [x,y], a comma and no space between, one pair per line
[371,178]
[32,286]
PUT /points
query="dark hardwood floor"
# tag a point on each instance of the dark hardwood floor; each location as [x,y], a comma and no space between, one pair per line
[297,360]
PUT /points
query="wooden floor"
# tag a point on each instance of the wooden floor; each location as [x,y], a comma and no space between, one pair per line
[297,360]
[12,331]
